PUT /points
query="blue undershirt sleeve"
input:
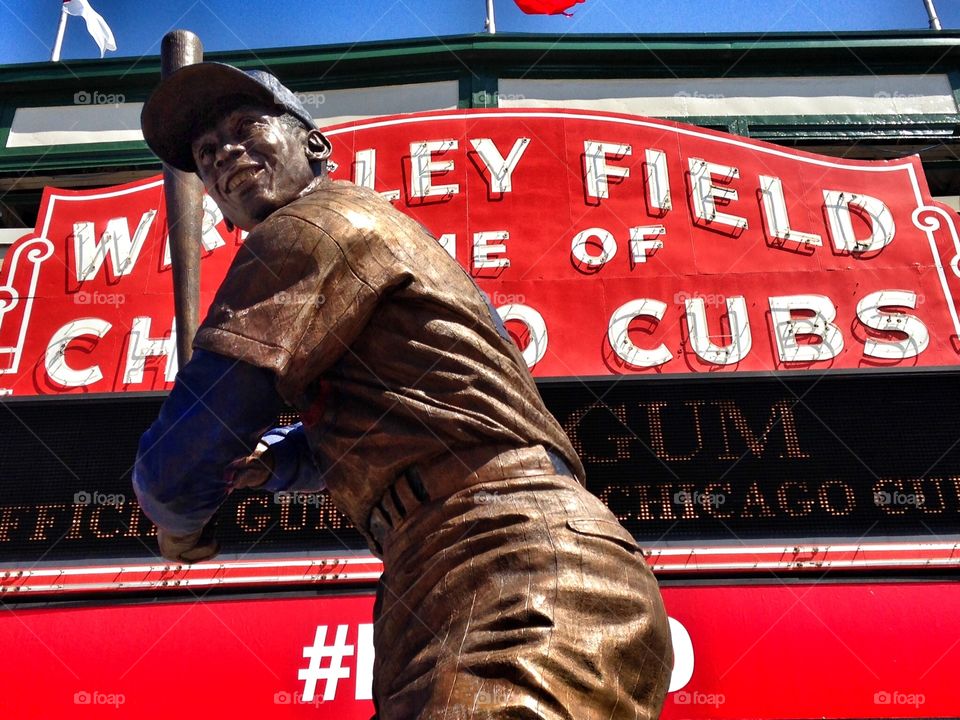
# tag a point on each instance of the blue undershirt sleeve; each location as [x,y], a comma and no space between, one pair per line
[216,412]
[294,466]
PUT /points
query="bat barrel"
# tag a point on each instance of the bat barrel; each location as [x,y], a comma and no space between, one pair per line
[184,196]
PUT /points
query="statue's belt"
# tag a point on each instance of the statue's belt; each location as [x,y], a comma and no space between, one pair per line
[440,478]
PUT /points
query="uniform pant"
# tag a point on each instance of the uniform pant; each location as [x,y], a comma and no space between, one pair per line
[522,599]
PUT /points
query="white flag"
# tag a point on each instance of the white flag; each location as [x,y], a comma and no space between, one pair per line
[97,27]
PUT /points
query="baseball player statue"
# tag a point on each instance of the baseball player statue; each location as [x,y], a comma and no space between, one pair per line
[508,590]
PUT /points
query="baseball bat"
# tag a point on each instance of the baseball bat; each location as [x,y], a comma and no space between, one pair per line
[184,194]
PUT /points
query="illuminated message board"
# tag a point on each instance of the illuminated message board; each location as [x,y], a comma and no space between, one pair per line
[861,457]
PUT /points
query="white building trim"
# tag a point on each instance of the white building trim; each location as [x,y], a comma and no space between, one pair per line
[120,122]
[757,96]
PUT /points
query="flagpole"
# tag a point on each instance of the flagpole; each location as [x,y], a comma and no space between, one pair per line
[932,13]
[55,56]
[491,23]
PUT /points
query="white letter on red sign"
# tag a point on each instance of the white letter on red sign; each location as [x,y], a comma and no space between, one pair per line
[448,241]
[705,194]
[682,655]
[740,338]
[882,227]
[115,242]
[775,210]
[658,181]
[363,689]
[640,241]
[143,346]
[537,347]
[55,358]
[365,173]
[619,336]
[501,171]
[597,170]
[870,314]
[423,166]
[594,236]
[210,238]
[483,250]
[787,326]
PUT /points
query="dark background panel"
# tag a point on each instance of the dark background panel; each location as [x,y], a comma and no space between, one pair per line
[853,457]
[846,456]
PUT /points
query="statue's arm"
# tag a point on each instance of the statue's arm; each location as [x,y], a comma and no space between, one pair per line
[216,412]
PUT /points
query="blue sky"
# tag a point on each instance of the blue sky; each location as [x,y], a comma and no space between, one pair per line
[28,27]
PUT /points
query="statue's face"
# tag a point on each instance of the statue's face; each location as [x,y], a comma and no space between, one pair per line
[252,164]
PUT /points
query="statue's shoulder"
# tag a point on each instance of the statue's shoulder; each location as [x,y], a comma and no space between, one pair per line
[341,209]
[335,197]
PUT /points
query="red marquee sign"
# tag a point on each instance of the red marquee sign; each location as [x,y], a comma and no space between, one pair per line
[846,650]
[611,245]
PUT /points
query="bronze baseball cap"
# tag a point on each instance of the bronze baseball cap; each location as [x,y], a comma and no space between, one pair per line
[186,103]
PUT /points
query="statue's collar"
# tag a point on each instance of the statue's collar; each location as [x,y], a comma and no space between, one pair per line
[314,185]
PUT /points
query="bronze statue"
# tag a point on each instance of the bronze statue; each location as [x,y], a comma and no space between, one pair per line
[508,591]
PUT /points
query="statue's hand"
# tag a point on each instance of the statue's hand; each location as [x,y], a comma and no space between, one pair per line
[191,548]
[251,471]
